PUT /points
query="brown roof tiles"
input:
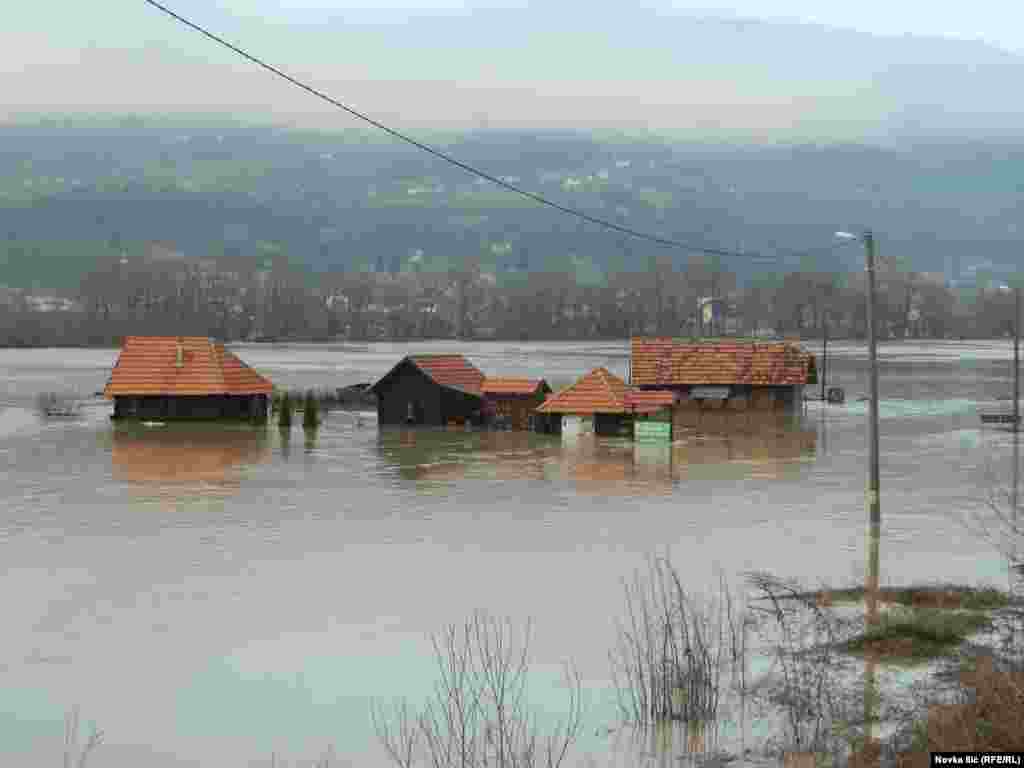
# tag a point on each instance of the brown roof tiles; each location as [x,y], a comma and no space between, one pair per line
[149,365]
[597,392]
[648,401]
[512,386]
[453,371]
[670,362]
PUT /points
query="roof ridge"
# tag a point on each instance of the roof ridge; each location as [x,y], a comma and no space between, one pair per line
[217,353]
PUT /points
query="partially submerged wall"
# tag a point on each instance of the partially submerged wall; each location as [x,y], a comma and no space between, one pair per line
[576,426]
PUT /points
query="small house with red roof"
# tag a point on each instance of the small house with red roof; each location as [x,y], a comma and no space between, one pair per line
[601,403]
[184,377]
[513,402]
[430,390]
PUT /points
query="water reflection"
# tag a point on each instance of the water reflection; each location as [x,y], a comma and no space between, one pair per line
[445,455]
[772,455]
[182,456]
[607,466]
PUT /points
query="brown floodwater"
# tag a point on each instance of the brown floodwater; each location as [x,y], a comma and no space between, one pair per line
[209,596]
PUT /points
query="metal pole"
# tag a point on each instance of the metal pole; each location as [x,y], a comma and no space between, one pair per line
[824,356]
[873,501]
[1016,405]
[1016,361]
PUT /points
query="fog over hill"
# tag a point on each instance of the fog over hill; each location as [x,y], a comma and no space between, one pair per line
[565,66]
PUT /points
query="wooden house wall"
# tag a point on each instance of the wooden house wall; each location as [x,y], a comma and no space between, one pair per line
[749,407]
[190,407]
[517,410]
[433,404]
[410,385]
[459,407]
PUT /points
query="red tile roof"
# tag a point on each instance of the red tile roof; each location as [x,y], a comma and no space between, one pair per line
[648,401]
[148,365]
[668,362]
[513,386]
[597,392]
[453,371]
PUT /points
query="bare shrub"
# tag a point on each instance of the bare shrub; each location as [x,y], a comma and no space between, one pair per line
[819,713]
[477,715]
[75,757]
[999,519]
[671,650]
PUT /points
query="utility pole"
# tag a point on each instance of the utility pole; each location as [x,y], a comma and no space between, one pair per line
[874,503]
[1016,361]
[824,353]
[1016,405]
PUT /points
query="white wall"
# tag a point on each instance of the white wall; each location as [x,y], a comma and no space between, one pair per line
[574,426]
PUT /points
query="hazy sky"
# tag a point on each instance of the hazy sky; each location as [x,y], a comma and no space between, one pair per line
[999,22]
[561,63]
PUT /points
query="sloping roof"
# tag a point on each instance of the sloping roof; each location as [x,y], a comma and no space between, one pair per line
[453,371]
[597,392]
[648,401]
[513,386]
[148,365]
[668,362]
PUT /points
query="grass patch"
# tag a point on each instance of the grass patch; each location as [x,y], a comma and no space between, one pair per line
[916,635]
[986,714]
[946,596]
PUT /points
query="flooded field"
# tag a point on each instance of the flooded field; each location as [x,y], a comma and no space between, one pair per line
[210,596]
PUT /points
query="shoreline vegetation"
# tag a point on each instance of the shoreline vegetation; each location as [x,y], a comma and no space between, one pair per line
[803,338]
[682,666]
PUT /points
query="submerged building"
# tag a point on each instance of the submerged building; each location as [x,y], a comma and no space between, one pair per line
[513,402]
[185,377]
[601,403]
[430,390]
[730,375]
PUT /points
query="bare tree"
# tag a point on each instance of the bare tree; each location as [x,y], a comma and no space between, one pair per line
[477,715]
[999,519]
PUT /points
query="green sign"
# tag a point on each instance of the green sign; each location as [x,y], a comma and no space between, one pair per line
[659,431]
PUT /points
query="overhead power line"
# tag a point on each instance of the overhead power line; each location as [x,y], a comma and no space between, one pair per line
[452,160]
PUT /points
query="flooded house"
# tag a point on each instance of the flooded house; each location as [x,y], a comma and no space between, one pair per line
[184,377]
[601,403]
[513,403]
[724,382]
[430,390]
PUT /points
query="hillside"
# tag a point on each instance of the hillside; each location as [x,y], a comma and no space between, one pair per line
[73,191]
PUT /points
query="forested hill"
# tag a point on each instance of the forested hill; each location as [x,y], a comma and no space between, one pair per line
[72,192]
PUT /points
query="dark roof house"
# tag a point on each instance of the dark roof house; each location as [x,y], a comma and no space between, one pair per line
[432,390]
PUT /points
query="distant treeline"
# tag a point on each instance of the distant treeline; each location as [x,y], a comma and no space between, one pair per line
[169,294]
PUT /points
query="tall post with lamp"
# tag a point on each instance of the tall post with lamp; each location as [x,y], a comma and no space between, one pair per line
[873,498]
